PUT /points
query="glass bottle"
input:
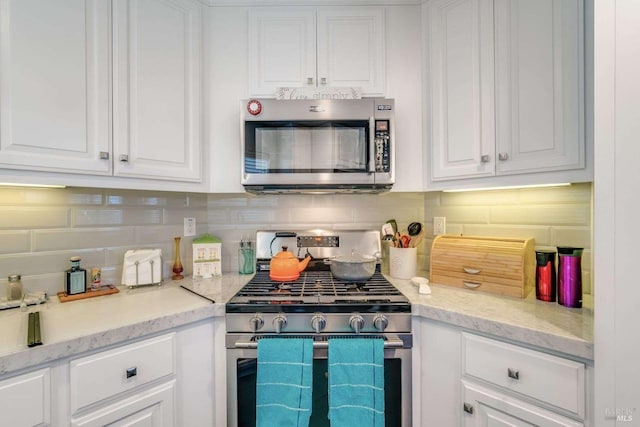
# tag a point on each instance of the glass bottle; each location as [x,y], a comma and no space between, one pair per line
[14,288]
[245,257]
[76,277]
[177,261]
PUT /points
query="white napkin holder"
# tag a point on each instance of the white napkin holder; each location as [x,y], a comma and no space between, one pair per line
[142,267]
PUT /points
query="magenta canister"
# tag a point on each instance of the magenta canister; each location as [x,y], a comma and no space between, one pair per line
[570,276]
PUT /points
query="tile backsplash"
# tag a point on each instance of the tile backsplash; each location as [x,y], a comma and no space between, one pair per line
[41,228]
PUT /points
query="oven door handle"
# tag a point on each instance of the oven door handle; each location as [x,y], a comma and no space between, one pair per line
[388,343]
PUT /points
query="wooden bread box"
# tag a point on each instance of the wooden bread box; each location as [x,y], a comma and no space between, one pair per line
[504,266]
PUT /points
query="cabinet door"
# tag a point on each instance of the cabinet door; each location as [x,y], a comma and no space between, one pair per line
[539,85]
[26,399]
[157,89]
[282,49]
[487,408]
[461,88]
[54,85]
[351,49]
[151,408]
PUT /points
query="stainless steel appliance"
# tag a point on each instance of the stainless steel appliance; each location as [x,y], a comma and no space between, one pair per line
[342,145]
[318,306]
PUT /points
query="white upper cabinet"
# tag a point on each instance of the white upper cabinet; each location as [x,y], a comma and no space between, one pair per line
[54,85]
[102,87]
[506,87]
[539,90]
[157,89]
[461,88]
[316,47]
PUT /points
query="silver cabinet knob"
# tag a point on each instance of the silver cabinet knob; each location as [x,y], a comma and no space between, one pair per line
[104,155]
[256,323]
[380,322]
[468,408]
[356,322]
[318,323]
[485,158]
[309,81]
[279,323]
[131,372]
[513,373]
[124,158]
[503,156]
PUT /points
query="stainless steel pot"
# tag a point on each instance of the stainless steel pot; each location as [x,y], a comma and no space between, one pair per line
[353,268]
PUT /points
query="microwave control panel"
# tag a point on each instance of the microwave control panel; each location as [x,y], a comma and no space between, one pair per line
[382,141]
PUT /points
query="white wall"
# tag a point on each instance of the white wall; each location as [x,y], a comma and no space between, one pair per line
[616,195]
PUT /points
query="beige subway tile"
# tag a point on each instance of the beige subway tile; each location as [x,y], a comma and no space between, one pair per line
[159,198]
[33,217]
[50,196]
[460,214]
[479,198]
[221,201]
[177,216]
[541,234]
[14,242]
[105,217]
[321,215]
[80,238]
[149,235]
[571,236]
[542,215]
[575,193]
[49,262]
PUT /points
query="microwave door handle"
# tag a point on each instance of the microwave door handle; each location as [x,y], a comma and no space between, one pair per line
[372,146]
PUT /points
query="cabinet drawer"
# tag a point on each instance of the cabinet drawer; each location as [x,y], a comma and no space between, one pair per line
[110,372]
[549,379]
[488,264]
[26,399]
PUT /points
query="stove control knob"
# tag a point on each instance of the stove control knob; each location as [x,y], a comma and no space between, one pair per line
[318,323]
[356,322]
[380,322]
[279,323]
[256,323]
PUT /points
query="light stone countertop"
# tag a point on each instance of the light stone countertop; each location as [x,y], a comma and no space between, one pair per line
[76,327]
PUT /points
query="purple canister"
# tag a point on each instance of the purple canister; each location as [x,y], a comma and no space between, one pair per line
[570,276]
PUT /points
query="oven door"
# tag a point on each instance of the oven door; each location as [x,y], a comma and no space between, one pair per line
[241,385]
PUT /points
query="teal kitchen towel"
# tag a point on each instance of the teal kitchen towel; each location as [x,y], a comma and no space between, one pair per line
[356,382]
[284,380]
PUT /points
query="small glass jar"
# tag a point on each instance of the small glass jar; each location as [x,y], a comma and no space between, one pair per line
[14,288]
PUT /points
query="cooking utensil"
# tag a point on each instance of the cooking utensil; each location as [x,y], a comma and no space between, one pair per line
[353,268]
[394,224]
[406,240]
[415,240]
[387,229]
[285,267]
[414,229]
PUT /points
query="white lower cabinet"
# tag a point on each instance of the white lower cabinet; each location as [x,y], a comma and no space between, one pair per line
[25,399]
[476,381]
[485,407]
[150,408]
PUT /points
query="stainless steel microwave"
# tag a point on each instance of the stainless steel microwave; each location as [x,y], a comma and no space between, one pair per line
[314,146]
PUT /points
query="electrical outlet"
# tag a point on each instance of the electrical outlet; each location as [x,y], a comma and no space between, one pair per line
[189,226]
[439,225]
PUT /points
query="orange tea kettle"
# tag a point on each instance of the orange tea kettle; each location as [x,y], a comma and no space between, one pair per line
[285,267]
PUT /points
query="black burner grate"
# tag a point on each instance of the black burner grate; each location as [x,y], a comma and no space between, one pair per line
[317,283]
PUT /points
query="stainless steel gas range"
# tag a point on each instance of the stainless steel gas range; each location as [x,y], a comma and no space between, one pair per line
[318,306]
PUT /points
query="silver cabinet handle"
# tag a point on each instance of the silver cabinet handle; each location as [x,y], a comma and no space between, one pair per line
[513,373]
[485,158]
[323,81]
[503,156]
[124,158]
[468,408]
[471,270]
[132,372]
[104,155]
[472,285]
[388,343]
[309,81]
